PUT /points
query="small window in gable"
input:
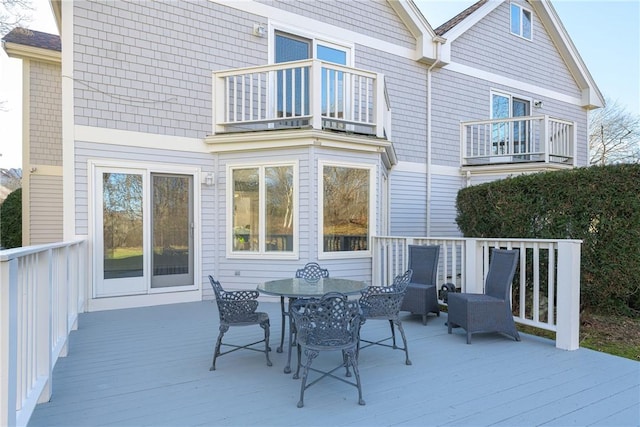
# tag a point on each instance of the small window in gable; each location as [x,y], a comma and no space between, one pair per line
[521,21]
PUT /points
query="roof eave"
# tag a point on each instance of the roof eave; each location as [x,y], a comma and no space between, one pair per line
[591,96]
[427,41]
[15,50]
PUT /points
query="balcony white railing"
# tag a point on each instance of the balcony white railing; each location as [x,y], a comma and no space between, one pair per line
[546,291]
[518,139]
[41,293]
[308,93]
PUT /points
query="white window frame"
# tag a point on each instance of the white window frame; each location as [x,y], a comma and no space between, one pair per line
[522,11]
[372,211]
[309,34]
[261,253]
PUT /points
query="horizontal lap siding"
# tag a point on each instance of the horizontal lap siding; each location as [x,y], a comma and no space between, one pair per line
[443,205]
[408,203]
[45,209]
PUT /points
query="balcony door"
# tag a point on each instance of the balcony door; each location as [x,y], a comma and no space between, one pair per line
[293,84]
[144,232]
[510,137]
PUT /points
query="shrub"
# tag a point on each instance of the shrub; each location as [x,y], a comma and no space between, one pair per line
[11,220]
[599,205]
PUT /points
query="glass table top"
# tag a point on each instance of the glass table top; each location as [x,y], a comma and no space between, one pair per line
[303,288]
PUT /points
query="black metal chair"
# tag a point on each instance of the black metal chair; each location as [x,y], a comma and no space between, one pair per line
[311,272]
[490,311]
[383,303]
[238,308]
[422,296]
[331,323]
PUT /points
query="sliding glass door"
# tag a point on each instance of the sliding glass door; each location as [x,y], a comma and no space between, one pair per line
[144,233]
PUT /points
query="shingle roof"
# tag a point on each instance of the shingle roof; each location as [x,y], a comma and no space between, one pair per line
[33,38]
[459,18]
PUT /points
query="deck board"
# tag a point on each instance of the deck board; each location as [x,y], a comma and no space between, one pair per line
[150,367]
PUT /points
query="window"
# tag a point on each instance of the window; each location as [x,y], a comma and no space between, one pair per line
[347,214]
[511,136]
[293,84]
[520,21]
[262,209]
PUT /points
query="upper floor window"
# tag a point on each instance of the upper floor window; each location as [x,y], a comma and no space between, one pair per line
[521,21]
[346,194]
[263,210]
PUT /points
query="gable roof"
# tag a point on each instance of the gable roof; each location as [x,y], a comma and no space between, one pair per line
[459,24]
[442,29]
[24,43]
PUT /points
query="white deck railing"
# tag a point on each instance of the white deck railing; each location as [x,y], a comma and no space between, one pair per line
[547,290]
[518,139]
[41,293]
[308,93]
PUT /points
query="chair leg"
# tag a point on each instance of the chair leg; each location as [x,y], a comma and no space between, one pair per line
[468,337]
[310,356]
[353,361]
[216,351]
[404,340]
[424,319]
[393,334]
[265,326]
[279,349]
[297,374]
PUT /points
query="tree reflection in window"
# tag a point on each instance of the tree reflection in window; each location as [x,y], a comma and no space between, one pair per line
[345,209]
[122,225]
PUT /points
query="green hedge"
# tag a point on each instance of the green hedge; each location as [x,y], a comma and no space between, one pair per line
[599,205]
[11,220]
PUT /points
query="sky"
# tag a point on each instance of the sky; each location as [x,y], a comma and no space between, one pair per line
[605,32]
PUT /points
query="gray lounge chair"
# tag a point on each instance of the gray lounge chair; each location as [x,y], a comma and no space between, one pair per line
[383,303]
[422,296]
[238,308]
[490,311]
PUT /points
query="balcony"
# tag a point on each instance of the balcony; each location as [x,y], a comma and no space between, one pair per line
[301,94]
[531,139]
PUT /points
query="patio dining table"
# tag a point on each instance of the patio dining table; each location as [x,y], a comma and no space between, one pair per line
[295,288]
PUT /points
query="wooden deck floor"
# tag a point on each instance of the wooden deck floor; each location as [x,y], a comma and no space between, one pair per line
[150,367]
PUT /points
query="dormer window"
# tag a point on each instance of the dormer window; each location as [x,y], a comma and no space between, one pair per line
[520,21]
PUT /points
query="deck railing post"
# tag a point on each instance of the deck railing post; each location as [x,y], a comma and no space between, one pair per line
[473,267]
[8,341]
[568,323]
[315,94]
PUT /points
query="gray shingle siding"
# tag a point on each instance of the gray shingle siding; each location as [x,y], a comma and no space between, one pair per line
[146,66]
[45,114]
[490,46]
[362,16]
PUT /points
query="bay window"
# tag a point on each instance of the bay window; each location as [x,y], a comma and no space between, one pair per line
[262,217]
[347,208]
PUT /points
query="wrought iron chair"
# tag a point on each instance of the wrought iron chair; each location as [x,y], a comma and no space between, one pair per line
[311,272]
[383,303]
[422,296]
[331,323]
[238,308]
[490,311]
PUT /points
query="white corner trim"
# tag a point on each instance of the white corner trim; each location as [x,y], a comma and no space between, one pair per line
[506,81]
[139,139]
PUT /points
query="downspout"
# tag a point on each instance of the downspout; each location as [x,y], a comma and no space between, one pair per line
[439,41]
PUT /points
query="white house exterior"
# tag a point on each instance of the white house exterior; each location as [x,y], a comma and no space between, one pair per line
[244,139]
